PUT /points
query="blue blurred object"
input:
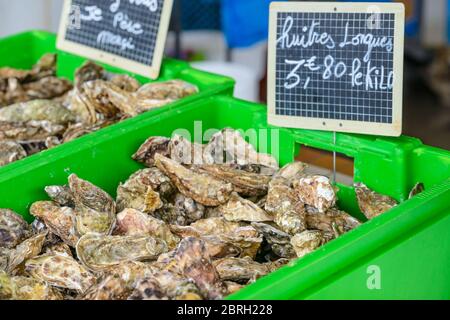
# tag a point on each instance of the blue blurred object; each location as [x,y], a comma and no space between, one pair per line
[245,22]
[200,14]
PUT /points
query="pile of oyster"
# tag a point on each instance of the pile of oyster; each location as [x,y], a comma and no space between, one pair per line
[200,222]
[39,110]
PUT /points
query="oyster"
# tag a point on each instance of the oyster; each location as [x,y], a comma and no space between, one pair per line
[148,289]
[24,288]
[125,82]
[13,229]
[244,183]
[228,146]
[143,191]
[306,242]
[209,226]
[60,271]
[195,263]
[118,282]
[288,211]
[239,209]
[147,151]
[203,188]
[232,287]
[158,94]
[59,248]
[11,151]
[95,210]
[289,173]
[36,110]
[59,220]
[332,223]
[165,285]
[28,249]
[98,252]
[61,195]
[277,239]
[4,258]
[418,188]
[110,287]
[87,72]
[371,203]
[316,191]
[36,132]
[240,269]
[182,212]
[185,152]
[132,222]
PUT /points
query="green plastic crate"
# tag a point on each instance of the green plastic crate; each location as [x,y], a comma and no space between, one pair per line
[23,50]
[410,243]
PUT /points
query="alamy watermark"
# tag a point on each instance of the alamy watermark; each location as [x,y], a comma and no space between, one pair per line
[374,277]
[225,146]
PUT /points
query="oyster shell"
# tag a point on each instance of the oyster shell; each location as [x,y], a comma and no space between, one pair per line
[203,188]
[185,152]
[60,271]
[11,151]
[289,173]
[148,289]
[371,203]
[244,182]
[99,252]
[277,239]
[24,288]
[37,110]
[95,210]
[61,195]
[32,132]
[125,82]
[165,285]
[240,209]
[157,94]
[118,282]
[194,262]
[228,146]
[132,222]
[153,145]
[4,258]
[288,211]
[13,229]
[143,191]
[240,269]
[209,226]
[316,191]
[333,223]
[109,287]
[28,249]
[306,242]
[59,220]
[87,72]
[59,248]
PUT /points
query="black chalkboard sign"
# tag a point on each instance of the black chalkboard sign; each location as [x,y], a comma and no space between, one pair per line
[336,66]
[126,33]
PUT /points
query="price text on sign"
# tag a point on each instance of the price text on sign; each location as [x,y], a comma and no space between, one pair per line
[129,34]
[336,66]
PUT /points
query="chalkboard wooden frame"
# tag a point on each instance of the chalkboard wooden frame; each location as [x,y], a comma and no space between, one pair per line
[151,71]
[385,129]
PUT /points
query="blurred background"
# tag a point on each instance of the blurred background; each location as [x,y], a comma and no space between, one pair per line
[229,37]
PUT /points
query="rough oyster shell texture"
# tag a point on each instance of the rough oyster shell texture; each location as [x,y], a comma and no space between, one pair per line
[372,204]
[203,188]
[98,252]
[179,230]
